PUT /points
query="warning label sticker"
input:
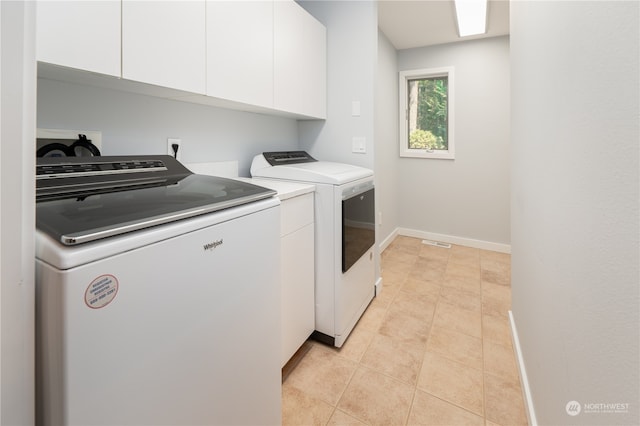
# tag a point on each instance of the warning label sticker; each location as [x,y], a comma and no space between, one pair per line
[101,291]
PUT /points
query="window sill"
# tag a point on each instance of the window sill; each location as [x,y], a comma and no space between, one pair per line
[423,153]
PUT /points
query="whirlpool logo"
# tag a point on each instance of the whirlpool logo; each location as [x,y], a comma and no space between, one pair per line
[213,245]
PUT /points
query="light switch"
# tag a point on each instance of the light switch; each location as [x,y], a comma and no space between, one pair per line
[355,108]
[359,145]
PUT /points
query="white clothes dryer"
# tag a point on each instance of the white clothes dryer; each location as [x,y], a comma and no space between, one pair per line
[344,236]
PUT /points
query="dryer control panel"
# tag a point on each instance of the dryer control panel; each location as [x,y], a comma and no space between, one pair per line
[287,157]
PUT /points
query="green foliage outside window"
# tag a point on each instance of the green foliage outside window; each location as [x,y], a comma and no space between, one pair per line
[428,112]
[424,139]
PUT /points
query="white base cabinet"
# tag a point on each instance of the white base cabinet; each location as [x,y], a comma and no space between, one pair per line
[298,313]
[297,261]
[297,272]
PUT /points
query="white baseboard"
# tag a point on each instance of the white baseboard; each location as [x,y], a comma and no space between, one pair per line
[526,391]
[385,243]
[451,239]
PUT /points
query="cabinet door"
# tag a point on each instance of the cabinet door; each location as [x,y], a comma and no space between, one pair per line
[79,34]
[298,297]
[240,51]
[300,61]
[163,43]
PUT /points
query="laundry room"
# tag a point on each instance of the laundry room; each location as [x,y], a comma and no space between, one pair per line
[372,271]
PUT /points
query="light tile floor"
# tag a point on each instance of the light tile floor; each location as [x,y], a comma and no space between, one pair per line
[434,348]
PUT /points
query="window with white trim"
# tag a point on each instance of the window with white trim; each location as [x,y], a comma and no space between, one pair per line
[426,113]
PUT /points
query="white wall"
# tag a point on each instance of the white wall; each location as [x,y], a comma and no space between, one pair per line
[139,124]
[17,176]
[575,199]
[352,52]
[352,28]
[467,197]
[386,131]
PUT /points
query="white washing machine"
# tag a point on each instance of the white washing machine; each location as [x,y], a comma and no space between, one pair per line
[158,298]
[345,236]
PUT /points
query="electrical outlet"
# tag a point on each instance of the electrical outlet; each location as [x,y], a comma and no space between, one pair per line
[171,145]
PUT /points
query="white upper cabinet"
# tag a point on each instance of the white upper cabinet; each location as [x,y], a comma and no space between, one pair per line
[163,43]
[240,51]
[79,34]
[300,61]
[256,55]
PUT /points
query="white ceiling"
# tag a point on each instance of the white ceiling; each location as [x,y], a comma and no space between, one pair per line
[417,23]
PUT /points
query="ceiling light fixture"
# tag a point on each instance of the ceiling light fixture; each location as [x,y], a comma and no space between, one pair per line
[471,16]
